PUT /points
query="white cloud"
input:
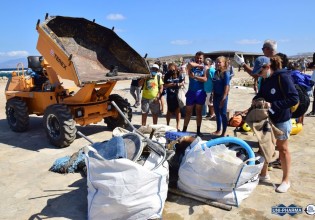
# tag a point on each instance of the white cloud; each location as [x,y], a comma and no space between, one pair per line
[181,42]
[115,17]
[248,41]
[16,53]
[284,40]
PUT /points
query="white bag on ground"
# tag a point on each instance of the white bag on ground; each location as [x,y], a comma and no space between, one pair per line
[122,189]
[215,174]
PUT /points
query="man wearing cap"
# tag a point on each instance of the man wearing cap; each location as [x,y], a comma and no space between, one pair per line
[269,49]
[152,90]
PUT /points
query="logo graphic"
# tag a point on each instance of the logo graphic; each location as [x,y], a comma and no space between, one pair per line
[282,210]
[310,209]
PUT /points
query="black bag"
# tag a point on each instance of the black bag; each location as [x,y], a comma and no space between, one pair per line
[304,100]
[303,103]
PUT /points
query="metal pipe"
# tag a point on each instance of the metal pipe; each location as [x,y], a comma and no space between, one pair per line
[200,199]
[85,137]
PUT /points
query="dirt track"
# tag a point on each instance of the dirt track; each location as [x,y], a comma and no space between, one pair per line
[30,191]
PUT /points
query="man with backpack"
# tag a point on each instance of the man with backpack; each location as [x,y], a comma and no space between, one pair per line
[151,95]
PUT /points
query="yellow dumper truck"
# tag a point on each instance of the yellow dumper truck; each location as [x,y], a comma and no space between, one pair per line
[71,82]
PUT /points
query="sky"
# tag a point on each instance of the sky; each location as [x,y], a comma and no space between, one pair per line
[169,27]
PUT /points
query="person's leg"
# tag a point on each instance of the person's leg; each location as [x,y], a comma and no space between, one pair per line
[223,114]
[198,117]
[133,92]
[162,104]
[216,106]
[177,114]
[188,113]
[155,110]
[285,158]
[138,95]
[190,103]
[284,154]
[168,117]
[200,101]
[144,110]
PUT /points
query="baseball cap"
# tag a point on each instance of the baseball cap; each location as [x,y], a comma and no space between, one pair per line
[259,63]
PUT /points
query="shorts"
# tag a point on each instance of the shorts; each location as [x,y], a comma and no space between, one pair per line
[286,128]
[150,104]
[209,99]
[195,97]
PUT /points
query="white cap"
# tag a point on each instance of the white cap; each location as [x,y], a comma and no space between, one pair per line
[155,66]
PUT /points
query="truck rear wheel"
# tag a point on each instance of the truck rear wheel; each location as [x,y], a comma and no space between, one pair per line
[119,121]
[59,125]
[17,114]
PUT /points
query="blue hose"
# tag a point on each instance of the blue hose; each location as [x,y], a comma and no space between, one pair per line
[224,140]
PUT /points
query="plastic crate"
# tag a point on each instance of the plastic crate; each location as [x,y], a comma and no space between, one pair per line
[173,135]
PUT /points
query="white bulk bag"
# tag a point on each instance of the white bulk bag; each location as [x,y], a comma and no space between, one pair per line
[123,189]
[214,174]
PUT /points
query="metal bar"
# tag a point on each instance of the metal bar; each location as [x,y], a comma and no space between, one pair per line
[85,137]
[200,199]
[151,145]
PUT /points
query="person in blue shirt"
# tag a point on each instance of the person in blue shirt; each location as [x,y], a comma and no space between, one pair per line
[208,86]
[221,88]
[195,95]
[279,109]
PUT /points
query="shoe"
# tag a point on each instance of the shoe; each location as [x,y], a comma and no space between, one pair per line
[113,71]
[283,187]
[178,130]
[276,164]
[137,104]
[264,178]
[212,117]
[310,114]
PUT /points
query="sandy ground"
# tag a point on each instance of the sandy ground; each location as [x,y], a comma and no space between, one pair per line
[30,191]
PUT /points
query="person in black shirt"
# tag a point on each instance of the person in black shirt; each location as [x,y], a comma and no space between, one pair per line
[173,80]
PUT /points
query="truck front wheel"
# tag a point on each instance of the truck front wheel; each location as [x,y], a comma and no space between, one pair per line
[119,121]
[59,125]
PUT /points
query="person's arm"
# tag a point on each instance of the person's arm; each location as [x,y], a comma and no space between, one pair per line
[203,78]
[226,88]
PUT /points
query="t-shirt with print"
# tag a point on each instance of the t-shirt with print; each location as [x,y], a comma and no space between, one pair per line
[170,79]
[150,88]
[194,84]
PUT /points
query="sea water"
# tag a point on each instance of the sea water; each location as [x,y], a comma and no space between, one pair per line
[7,72]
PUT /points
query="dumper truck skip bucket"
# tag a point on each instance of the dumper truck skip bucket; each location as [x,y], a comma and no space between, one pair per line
[83,51]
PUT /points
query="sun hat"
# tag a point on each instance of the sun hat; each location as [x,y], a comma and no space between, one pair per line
[259,63]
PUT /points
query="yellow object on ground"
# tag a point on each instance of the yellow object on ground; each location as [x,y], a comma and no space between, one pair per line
[246,127]
[296,127]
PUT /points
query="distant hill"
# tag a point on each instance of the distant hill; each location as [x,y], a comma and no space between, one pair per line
[170,58]
[13,63]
